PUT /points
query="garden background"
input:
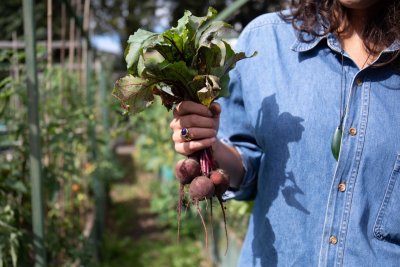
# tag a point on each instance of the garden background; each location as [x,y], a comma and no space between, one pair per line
[81,182]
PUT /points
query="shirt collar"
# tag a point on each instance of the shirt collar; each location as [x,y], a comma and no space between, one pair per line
[309,42]
[395,46]
[306,45]
[304,41]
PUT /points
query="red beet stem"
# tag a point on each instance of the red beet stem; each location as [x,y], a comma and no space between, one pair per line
[206,161]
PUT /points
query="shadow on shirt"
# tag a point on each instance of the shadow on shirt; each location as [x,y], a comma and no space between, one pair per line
[275,131]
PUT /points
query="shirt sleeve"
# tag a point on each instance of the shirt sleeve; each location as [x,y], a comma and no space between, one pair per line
[236,130]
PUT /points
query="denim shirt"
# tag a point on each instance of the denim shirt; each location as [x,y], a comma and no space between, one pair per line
[285,104]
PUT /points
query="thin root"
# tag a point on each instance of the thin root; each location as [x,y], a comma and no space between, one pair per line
[224,216]
[180,203]
[202,221]
[211,221]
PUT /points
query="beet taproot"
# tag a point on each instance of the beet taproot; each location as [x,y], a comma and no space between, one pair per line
[201,188]
[220,179]
[186,170]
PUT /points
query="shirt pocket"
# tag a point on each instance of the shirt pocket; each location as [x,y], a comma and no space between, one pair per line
[387,224]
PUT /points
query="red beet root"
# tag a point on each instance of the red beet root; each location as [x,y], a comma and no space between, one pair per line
[201,188]
[220,179]
[205,182]
[186,170]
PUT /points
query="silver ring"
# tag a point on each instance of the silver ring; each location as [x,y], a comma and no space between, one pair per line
[185,134]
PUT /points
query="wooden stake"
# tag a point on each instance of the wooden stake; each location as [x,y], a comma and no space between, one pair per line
[62,49]
[15,56]
[71,49]
[49,33]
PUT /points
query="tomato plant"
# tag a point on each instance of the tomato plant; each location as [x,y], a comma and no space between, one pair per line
[68,170]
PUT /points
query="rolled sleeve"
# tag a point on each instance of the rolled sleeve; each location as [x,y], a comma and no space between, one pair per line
[236,130]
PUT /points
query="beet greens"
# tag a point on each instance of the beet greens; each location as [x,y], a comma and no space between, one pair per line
[187,62]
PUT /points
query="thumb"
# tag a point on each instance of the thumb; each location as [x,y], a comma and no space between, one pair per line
[215,109]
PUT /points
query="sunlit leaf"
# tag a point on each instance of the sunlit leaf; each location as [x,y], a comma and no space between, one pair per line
[191,60]
[136,42]
[210,32]
[134,93]
[210,91]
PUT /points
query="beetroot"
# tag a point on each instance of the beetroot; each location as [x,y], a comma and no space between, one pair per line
[220,179]
[186,170]
[201,188]
[205,181]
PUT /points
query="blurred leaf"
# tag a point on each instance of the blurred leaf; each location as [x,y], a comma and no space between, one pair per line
[15,185]
[13,249]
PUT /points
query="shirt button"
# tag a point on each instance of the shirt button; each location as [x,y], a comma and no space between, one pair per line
[342,187]
[359,81]
[333,240]
[353,131]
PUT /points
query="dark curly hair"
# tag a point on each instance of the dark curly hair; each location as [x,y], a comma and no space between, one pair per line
[383,27]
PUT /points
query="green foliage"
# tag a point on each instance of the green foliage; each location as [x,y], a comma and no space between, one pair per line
[9,237]
[125,252]
[67,171]
[140,232]
[238,215]
[11,18]
[164,202]
[187,62]
[153,145]
[240,17]
[14,188]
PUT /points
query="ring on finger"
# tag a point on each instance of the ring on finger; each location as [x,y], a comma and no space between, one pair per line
[186,134]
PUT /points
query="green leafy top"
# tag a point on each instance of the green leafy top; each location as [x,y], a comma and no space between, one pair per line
[187,62]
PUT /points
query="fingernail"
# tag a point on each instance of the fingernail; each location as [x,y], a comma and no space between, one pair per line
[213,111]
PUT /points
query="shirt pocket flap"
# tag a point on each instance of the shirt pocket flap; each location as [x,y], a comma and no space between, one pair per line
[387,224]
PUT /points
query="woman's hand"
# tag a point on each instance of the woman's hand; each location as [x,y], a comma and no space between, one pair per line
[202,124]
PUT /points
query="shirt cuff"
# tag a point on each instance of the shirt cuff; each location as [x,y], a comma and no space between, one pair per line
[247,189]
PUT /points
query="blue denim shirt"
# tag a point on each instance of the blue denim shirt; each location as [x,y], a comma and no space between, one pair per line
[311,210]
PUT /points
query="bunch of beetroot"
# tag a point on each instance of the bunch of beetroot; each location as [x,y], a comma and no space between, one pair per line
[205,181]
[187,62]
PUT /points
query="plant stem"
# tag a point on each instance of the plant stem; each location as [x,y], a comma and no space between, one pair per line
[174,44]
[206,161]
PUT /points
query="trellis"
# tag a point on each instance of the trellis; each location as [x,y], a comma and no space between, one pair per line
[35,156]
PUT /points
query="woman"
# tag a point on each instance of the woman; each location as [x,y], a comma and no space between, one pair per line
[311,131]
